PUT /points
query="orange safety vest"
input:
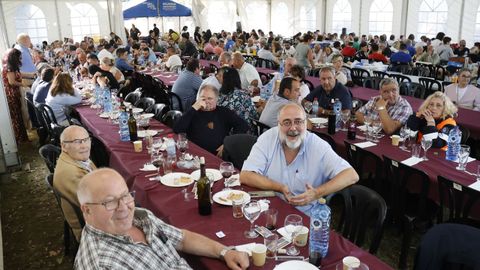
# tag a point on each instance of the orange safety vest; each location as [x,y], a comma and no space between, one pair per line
[448,121]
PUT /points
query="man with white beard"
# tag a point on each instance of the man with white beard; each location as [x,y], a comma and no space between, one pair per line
[295,163]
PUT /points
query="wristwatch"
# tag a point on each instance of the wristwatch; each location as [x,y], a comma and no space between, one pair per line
[224,251]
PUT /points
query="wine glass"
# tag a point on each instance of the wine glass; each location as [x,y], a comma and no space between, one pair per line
[308,106]
[426,144]
[367,120]
[293,224]
[345,115]
[376,128]
[144,123]
[182,144]
[157,159]
[226,169]
[251,211]
[463,154]
[404,136]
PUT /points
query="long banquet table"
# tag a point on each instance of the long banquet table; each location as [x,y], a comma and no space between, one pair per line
[169,204]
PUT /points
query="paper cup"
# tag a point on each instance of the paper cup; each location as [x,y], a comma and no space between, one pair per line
[395,140]
[302,237]
[350,262]
[137,146]
[259,254]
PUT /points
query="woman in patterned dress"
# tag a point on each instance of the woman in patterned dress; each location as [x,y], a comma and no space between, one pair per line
[233,97]
[12,81]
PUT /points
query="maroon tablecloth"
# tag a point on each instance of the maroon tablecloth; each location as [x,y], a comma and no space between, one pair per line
[167,77]
[168,203]
[436,165]
[466,117]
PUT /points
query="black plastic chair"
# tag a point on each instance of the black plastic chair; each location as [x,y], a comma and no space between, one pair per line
[265,63]
[328,139]
[399,67]
[315,72]
[98,153]
[67,230]
[157,110]
[50,154]
[372,82]
[175,102]
[213,68]
[309,84]
[70,113]
[412,89]
[259,126]
[133,97]
[460,201]
[430,85]
[359,75]
[42,130]
[363,208]
[400,78]
[171,117]
[380,74]
[144,102]
[412,210]
[465,134]
[438,73]
[264,77]
[49,122]
[236,148]
[368,166]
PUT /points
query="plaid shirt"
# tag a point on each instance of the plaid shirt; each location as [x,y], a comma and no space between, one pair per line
[399,112]
[100,250]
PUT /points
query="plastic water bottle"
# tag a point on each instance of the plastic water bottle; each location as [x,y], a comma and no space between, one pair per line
[453,144]
[107,100]
[319,232]
[337,108]
[171,149]
[315,106]
[123,125]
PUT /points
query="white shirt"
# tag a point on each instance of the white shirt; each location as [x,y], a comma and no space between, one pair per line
[173,61]
[248,73]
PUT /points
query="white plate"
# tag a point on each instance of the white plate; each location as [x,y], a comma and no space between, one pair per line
[216,174]
[147,115]
[318,120]
[104,115]
[145,133]
[221,197]
[169,179]
[295,265]
[137,110]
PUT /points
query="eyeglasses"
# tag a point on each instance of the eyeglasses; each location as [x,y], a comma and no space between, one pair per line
[79,141]
[115,203]
[296,122]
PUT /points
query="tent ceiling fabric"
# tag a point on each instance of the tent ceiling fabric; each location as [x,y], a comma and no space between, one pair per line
[157,8]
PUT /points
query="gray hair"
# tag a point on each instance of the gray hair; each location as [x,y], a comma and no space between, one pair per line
[328,69]
[388,81]
[211,87]
[292,104]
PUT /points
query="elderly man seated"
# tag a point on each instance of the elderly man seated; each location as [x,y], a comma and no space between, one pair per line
[207,124]
[117,235]
[295,163]
[389,108]
[289,91]
[72,165]
[464,94]
[248,74]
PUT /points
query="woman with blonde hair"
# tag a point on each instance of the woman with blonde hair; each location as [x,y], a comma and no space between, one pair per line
[108,64]
[434,119]
[62,94]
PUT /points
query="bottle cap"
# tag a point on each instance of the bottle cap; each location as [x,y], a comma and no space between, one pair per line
[322,200]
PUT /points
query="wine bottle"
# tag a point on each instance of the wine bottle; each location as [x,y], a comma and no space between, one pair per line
[332,118]
[132,127]
[203,191]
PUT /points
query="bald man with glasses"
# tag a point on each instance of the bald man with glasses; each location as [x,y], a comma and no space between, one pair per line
[74,162]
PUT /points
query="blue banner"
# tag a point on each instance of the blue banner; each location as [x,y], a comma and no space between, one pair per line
[157,8]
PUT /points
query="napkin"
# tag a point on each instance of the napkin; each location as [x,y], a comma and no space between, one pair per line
[412,161]
[475,185]
[468,160]
[365,144]
[148,167]
[362,128]
[264,204]
[234,180]
[246,248]
[283,232]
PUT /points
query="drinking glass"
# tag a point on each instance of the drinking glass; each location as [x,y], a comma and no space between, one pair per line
[376,128]
[226,169]
[308,106]
[144,123]
[345,115]
[463,154]
[251,211]
[157,159]
[367,120]
[293,224]
[182,144]
[426,144]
